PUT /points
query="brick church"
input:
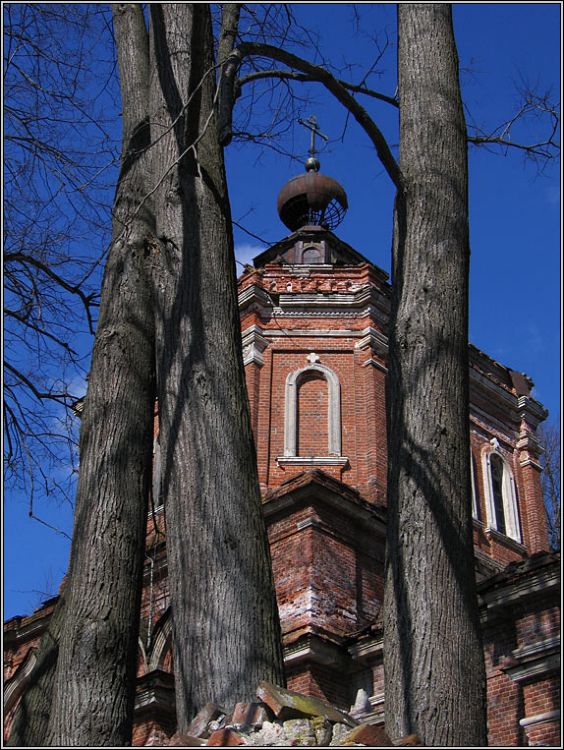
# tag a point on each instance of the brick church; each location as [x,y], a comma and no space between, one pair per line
[314,318]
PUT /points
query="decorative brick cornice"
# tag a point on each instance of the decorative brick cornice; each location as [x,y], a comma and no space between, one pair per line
[531,411]
[529,443]
[254,345]
[312,460]
[371,362]
[517,583]
[538,668]
[365,301]
[303,311]
[24,628]
[254,295]
[314,649]
[494,390]
[155,695]
[534,660]
[367,649]
[316,486]
[530,462]
[374,340]
[485,425]
[314,333]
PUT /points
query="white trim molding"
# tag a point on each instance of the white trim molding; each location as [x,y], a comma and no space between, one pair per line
[254,344]
[15,686]
[474,495]
[161,643]
[293,382]
[540,718]
[312,460]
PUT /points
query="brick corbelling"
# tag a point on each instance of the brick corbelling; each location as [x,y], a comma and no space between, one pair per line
[541,564]
[305,483]
[274,278]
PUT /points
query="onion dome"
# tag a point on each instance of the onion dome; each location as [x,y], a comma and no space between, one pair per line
[312,199]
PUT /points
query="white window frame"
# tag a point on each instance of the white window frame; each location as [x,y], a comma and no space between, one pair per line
[293,382]
[475,513]
[156,478]
[509,495]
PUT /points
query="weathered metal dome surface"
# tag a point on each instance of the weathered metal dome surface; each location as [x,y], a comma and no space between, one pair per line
[314,199]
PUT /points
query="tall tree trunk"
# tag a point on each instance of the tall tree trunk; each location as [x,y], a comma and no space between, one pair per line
[433,658]
[94,687]
[29,727]
[225,622]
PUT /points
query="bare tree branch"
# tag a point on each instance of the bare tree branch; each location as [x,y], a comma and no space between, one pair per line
[303,77]
[533,106]
[319,74]
[549,436]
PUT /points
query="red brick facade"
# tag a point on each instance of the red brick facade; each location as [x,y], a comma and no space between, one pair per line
[315,353]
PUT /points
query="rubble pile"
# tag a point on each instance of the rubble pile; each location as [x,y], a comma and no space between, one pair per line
[283,718]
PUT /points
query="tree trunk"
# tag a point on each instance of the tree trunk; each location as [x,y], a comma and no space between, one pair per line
[225,623]
[29,727]
[94,688]
[433,658]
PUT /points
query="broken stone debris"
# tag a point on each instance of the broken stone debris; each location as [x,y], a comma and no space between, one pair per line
[283,718]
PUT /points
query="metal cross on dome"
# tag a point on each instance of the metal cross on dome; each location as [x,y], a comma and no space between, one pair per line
[311,124]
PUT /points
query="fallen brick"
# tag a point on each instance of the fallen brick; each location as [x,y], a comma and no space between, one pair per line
[225,738]
[198,727]
[250,715]
[289,705]
[410,740]
[373,735]
[185,740]
[299,732]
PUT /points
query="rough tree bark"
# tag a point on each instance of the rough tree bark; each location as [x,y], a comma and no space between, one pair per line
[171,270]
[433,659]
[225,620]
[92,691]
[29,727]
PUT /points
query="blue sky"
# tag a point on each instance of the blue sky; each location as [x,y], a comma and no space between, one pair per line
[515,293]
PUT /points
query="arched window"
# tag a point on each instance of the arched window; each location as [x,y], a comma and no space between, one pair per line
[503,514]
[496,471]
[156,501]
[326,399]
[475,506]
[312,255]
[161,647]
[14,688]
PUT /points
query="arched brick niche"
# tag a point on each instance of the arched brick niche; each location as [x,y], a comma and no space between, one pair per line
[312,416]
[312,422]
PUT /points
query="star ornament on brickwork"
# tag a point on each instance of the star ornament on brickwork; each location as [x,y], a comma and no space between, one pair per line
[312,358]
